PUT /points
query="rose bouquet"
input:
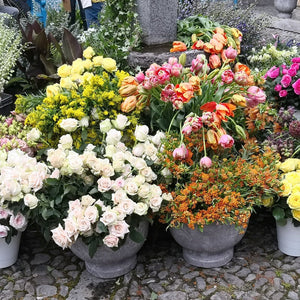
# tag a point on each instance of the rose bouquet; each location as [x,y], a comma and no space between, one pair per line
[86,94]
[21,177]
[288,204]
[100,193]
[283,84]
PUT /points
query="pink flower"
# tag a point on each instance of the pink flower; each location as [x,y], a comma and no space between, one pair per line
[4,213]
[3,231]
[284,71]
[187,130]
[176,70]
[111,241]
[18,221]
[296,86]
[282,93]
[173,60]
[227,76]
[180,152]
[296,60]
[295,66]
[140,77]
[205,162]
[9,121]
[273,72]
[226,141]
[163,75]
[168,93]
[286,80]
[292,72]
[147,85]
[277,87]
[255,96]
[230,53]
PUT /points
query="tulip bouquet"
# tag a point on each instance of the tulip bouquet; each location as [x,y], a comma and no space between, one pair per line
[21,177]
[100,193]
[86,94]
[283,84]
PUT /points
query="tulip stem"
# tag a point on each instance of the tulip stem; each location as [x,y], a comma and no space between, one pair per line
[203,137]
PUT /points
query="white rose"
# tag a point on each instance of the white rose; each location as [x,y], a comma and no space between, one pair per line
[155,203]
[33,135]
[141,132]
[138,150]
[61,237]
[144,190]
[18,221]
[76,213]
[74,204]
[11,188]
[118,183]
[113,137]
[3,155]
[87,200]
[150,149]
[66,141]
[110,150]
[119,229]
[90,147]
[104,184]
[127,206]
[121,122]
[75,164]
[129,157]
[55,174]
[127,170]
[118,165]
[155,190]
[119,156]
[35,181]
[119,196]
[105,126]
[121,147]
[167,196]
[69,124]
[107,170]
[111,241]
[83,224]
[56,157]
[71,228]
[4,213]
[84,122]
[166,173]
[141,209]
[148,174]
[131,187]
[139,179]
[108,217]
[31,201]
[91,213]
[139,163]
[156,139]
[3,231]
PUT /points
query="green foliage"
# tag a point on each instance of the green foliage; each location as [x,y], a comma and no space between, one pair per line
[118,33]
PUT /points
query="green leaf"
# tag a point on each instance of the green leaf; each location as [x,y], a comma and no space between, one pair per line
[278,213]
[93,246]
[101,227]
[136,236]
[93,191]
[52,181]
[71,47]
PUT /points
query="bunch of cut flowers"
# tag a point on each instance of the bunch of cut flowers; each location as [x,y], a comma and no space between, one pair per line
[100,193]
[21,177]
[87,93]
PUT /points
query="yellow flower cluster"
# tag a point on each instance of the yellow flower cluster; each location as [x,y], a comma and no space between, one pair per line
[291,184]
[87,89]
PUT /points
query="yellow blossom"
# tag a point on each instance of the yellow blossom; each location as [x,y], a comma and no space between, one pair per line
[292,177]
[67,83]
[52,90]
[64,71]
[88,52]
[296,188]
[294,201]
[286,188]
[87,76]
[296,214]
[77,66]
[97,60]
[88,64]
[239,100]
[109,64]
[289,165]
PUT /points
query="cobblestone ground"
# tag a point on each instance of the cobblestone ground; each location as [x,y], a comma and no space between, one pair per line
[258,270]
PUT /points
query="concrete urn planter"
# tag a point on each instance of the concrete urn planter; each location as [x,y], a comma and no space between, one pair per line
[213,247]
[285,8]
[9,252]
[107,263]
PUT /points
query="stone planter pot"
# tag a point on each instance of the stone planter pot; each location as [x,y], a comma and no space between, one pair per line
[208,249]
[288,237]
[9,252]
[6,104]
[107,263]
[285,8]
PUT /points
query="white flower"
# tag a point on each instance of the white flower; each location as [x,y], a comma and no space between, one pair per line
[56,157]
[144,190]
[166,173]
[4,213]
[74,163]
[83,224]
[111,241]
[119,229]
[3,231]
[155,203]
[31,201]
[55,174]
[18,221]
[119,196]
[121,122]
[118,165]
[118,183]
[110,150]
[150,149]
[33,135]
[65,141]
[108,217]
[87,200]
[113,137]
[105,126]
[107,170]
[60,237]
[156,139]
[35,180]
[139,179]
[139,163]
[141,132]
[91,213]
[69,124]
[127,206]
[141,209]
[131,187]
[74,204]
[84,122]
[71,228]
[138,149]
[104,184]
[167,196]
[121,147]
[148,174]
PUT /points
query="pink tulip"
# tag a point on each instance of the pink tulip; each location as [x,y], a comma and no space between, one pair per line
[227,76]
[173,60]
[140,77]
[187,130]
[180,152]
[292,71]
[226,141]
[255,96]
[9,121]
[230,53]
[205,162]
[296,60]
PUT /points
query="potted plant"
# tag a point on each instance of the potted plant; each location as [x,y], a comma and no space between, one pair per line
[98,199]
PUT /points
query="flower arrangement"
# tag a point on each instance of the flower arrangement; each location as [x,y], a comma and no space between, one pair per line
[100,193]
[283,84]
[221,190]
[86,94]
[21,176]
[288,204]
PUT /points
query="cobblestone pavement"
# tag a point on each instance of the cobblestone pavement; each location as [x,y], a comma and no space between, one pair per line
[258,270]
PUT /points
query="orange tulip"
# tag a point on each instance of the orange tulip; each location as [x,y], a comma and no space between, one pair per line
[129,104]
[241,67]
[178,47]
[208,47]
[195,82]
[198,45]
[219,30]
[218,47]
[220,38]
[184,91]
[214,61]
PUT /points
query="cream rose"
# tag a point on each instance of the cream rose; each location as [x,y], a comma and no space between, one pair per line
[111,241]
[91,213]
[141,209]
[113,137]
[31,201]
[83,224]
[109,64]
[155,203]
[138,150]
[64,71]
[119,229]
[131,187]
[104,184]
[88,52]
[71,228]
[127,206]
[108,217]
[61,237]
[141,133]
[18,221]
[33,135]
[3,231]
[66,141]
[105,126]
[119,196]
[56,157]
[69,124]
[121,122]
[144,191]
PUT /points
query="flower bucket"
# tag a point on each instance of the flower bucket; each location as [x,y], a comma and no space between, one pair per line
[9,252]
[288,237]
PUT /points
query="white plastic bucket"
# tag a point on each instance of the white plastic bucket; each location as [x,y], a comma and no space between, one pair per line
[288,237]
[9,252]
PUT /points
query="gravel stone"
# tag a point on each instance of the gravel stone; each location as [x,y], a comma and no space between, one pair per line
[201,284]
[172,296]
[191,275]
[288,279]
[46,290]
[40,258]
[293,295]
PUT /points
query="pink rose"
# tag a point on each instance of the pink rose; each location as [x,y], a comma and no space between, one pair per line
[104,184]
[173,60]
[286,80]
[205,162]
[18,221]
[4,213]
[277,87]
[296,60]
[282,93]
[226,141]
[186,130]
[296,86]
[227,76]
[163,75]
[180,152]
[3,231]
[111,241]
[61,237]
[91,213]
[284,71]
[273,72]
[119,229]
